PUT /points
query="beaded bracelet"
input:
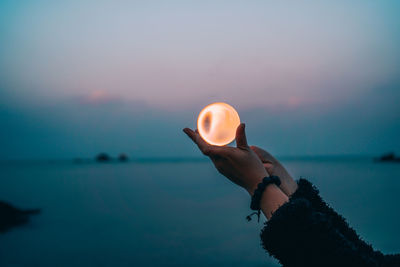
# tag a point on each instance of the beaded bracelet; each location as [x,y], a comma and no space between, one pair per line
[256,198]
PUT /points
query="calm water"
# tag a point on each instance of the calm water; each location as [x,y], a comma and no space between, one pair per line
[174,214]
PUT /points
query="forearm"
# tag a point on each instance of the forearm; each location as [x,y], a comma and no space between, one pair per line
[272,199]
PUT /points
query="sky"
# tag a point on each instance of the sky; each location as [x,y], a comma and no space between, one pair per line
[307,77]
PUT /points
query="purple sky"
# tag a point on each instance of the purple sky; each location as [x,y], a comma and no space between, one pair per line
[315,78]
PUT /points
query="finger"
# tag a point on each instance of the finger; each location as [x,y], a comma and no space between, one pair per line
[195,136]
[269,167]
[204,147]
[257,150]
[211,150]
[189,132]
[241,141]
[262,154]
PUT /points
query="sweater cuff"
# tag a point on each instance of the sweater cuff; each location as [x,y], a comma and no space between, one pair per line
[310,192]
[306,190]
[298,235]
[307,212]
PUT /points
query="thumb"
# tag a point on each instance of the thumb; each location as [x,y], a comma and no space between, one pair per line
[241,141]
[269,167]
[258,151]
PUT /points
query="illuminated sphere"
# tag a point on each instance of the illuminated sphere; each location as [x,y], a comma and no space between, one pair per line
[217,123]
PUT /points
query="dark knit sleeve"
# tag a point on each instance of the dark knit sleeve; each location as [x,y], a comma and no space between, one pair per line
[306,231]
[308,191]
[392,260]
[298,235]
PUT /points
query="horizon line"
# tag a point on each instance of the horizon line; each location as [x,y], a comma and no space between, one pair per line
[185,158]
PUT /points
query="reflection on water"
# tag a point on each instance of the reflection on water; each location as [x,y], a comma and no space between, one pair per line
[153,213]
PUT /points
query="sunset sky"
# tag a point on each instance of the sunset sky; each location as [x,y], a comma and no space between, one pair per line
[308,78]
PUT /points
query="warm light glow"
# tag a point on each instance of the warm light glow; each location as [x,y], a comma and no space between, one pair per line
[217,123]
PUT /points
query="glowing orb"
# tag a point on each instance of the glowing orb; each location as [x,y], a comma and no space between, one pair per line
[217,123]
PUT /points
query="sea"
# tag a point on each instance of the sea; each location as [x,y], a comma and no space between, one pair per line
[175,212]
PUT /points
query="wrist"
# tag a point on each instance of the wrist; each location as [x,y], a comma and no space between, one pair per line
[253,186]
[270,186]
[261,188]
[272,199]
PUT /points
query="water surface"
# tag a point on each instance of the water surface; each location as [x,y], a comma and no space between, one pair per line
[154,213]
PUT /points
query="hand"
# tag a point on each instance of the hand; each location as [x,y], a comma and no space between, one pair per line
[274,167]
[239,164]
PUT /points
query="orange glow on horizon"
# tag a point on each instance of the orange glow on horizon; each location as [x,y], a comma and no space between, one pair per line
[217,123]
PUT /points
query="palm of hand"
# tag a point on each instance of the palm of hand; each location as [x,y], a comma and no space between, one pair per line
[240,164]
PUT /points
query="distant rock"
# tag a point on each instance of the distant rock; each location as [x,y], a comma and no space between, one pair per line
[103,157]
[389,157]
[123,157]
[11,216]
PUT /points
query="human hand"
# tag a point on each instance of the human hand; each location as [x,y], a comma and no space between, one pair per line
[274,167]
[239,164]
